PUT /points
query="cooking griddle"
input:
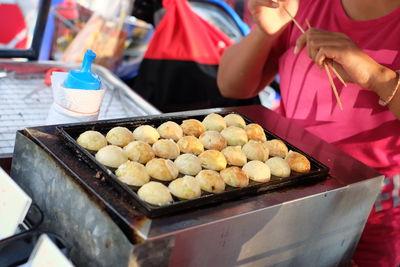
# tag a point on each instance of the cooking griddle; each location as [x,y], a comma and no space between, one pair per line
[70,133]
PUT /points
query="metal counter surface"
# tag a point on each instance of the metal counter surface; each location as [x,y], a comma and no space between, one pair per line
[315,225]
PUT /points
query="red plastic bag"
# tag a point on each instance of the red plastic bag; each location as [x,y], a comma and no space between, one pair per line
[179,69]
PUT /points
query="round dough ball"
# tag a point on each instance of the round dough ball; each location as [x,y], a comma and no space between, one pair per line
[235,120]
[132,173]
[155,193]
[213,160]
[186,187]
[235,136]
[214,122]
[277,148]
[255,132]
[170,130]
[139,151]
[298,162]
[257,171]
[119,136]
[193,127]
[162,169]
[188,164]
[210,181]
[256,150]
[166,148]
[111,156]
[213,140]
[235,176]
[234,155]
[278,166]
[146,133]
[92,140]
[190,144]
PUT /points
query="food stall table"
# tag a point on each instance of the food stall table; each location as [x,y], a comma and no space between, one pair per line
[318,224]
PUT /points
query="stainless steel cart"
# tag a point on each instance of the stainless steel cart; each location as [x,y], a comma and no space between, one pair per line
[314,225]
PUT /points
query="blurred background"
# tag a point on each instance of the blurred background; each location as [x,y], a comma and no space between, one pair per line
[120,32]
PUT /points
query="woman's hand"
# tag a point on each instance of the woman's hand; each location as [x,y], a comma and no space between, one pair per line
[352,63]
[270,16]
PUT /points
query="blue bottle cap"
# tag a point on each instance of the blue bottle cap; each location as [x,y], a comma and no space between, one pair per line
[84,78]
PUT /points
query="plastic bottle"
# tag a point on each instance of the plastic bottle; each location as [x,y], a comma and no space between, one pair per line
[84,78]
[77,94]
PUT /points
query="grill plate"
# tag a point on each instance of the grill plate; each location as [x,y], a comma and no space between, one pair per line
[70,133]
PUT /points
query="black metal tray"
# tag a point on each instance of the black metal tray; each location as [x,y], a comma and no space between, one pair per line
[71,132]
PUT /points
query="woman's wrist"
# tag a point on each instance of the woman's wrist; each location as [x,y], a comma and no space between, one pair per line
[396,88]
[384,82]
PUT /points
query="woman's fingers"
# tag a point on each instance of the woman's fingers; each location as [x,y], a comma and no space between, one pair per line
[320,57]
[300,43]
[338,50]
[304,39]
[267,3]
[315,45]
[315,40]
[326,52]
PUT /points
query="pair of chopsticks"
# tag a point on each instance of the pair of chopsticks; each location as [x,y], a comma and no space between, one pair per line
[326,65]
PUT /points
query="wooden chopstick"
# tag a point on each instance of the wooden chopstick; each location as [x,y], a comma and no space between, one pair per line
[335,92]
[294,20]
[337,74]
[333,86]
[325,64]
[329,65]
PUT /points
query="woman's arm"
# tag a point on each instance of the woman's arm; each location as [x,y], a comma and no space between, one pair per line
[352,63]
[245,67]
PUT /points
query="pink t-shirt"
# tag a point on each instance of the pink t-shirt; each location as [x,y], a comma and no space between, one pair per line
[364,129]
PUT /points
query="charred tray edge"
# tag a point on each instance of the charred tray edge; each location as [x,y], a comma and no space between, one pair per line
[69,133]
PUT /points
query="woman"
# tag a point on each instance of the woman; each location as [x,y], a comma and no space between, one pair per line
[361,39]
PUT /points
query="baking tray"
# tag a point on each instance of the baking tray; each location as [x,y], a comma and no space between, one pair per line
[70,133]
